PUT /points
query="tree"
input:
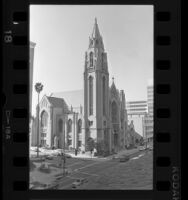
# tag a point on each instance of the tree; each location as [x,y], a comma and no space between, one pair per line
[38,88]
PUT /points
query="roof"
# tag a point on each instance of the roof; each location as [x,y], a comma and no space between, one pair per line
[137,135]
[73,98]
[57,102]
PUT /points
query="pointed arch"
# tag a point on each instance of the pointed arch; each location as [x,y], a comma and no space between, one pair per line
[104,94]
[44,119]
[60,125]
[114,119]
[69,126]
[114,112]
[79,125]
[91,59]
[90,95]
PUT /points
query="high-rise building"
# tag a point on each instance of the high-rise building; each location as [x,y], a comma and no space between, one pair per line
[136,111]
[149,116]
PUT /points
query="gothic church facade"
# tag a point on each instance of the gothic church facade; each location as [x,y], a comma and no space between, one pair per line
[69,119]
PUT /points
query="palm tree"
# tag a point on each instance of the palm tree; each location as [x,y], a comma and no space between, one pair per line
[38,88]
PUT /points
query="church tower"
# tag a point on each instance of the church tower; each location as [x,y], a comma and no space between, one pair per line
[96,90]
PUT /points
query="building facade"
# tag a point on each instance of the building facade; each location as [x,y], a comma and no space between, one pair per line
[149,117]
[136,111]
[98,112]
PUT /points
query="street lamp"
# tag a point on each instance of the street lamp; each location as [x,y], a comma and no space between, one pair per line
[38,88]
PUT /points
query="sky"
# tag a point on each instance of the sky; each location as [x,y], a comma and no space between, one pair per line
[61,34]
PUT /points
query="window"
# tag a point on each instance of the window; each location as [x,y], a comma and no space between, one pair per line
[43,142]
[69,126]
[44,119]
[91,59]
[43,134]
[90,95]
[79,143]
[90,123]
[69,142]
[114,117]
[114,112]
[102,58]
[79,126]
[60,125]
[103,83]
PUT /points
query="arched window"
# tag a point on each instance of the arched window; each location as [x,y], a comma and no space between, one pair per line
[44,119]
[69,126]
[102,58]
[91,59]
[114,112]
[90,95]
[79,126]
[104,94]
[60,125]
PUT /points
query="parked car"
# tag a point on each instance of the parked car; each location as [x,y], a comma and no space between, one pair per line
[64,154]
[124,158]
[150,148]
[142,148]
[78,182]
[68,155]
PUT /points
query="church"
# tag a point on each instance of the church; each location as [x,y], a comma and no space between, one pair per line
[69,119]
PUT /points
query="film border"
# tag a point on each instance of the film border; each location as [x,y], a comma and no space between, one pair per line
[167,116]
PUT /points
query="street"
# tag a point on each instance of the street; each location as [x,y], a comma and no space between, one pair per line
[100,173]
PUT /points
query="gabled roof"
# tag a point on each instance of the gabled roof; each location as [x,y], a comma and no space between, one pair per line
[72,98]
[57,102]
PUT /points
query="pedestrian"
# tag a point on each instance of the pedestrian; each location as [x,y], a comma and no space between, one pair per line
[91,152]
[76,151]
[94,152]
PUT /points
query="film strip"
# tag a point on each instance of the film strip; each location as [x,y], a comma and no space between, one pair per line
[167,108]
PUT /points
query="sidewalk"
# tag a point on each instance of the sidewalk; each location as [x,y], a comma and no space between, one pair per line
[88,156]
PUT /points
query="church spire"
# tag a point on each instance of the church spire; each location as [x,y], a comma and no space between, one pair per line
[95,41]
[96,33]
